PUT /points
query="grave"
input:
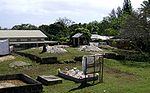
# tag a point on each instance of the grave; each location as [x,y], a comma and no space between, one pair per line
[49,80]
[19,83]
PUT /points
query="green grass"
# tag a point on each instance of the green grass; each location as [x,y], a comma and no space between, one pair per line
[69,55]
[119,76]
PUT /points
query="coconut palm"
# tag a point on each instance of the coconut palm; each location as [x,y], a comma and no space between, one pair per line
[145,9]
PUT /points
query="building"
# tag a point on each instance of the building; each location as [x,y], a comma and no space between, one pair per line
[99,37]
[24,38]
[79,39]
[4,47]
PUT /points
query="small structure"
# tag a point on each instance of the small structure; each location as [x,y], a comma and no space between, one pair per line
[19,83]
[4,47]
[49,80]
[79,39]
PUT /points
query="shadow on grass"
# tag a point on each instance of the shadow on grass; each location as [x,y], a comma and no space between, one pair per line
[135,63]
[83,85]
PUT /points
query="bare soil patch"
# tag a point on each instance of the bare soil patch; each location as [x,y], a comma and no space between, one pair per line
[120,74]
[11,83]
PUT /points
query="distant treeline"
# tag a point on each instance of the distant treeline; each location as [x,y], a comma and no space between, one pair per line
[124,23]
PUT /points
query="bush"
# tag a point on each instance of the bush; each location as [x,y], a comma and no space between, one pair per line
[110,55]
[78,58]
[49,60]
[110,32]
[114,56]
[133,55]
[120,57]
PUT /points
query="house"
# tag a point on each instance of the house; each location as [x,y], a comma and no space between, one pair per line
[24,38]
[79,39]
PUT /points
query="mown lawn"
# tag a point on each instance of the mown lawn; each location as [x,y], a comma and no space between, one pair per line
[119,76]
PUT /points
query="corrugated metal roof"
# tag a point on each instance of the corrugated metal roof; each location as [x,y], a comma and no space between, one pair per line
[21,34]
[95,36]
[39,42]
[77,35]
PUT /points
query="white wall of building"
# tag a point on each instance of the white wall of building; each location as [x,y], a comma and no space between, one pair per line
[4,47]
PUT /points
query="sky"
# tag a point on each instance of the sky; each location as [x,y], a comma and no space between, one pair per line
[38,12]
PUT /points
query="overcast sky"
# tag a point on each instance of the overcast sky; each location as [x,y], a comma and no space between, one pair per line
[39,12]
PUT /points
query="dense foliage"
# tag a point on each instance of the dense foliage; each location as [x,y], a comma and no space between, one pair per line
[24,27]
[124,23]
[136,28]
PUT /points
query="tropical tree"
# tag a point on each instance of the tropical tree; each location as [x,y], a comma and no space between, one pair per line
[103,25]
[110,32]
[65,21]
[135,31]
[73,27]
[119,11]
[45,29]
[59,30]
[113,13]
[24,27]
[93,27]
[145,10]
[127,7]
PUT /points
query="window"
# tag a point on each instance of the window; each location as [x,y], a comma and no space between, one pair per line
[34,39]
[12,40]
[42,39]
[23,39]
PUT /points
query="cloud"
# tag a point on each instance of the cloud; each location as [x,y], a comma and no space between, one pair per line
[46,11]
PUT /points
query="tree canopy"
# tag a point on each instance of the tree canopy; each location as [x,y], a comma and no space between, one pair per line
[24,27]
[124,22]
[127,7]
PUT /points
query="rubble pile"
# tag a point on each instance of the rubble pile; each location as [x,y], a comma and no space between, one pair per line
[55,49]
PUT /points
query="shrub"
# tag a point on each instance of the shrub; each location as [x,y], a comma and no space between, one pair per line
[114,56]
[110,55]
[78,58]
[132,55]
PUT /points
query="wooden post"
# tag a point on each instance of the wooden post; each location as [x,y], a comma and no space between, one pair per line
[100,64]
[102,69]
[78,41]
[36,44]
[94,68]
[73,41]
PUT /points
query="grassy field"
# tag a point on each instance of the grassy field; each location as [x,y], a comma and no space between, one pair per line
[119,76]
[69,55]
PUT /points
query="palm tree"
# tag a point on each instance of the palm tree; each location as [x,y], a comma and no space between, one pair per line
[127,7]
[145,9]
